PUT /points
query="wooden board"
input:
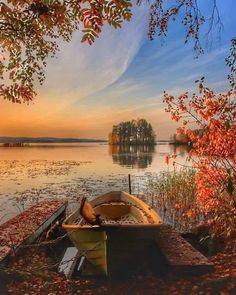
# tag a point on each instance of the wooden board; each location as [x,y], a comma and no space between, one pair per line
[182,257]
[69,262]
[113,211]
[26,227]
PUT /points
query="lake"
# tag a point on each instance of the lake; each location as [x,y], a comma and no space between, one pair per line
[36,172]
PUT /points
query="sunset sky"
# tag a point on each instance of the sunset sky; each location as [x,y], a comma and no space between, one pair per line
[121,77]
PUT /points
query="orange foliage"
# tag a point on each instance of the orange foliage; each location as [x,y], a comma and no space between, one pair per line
[213,150]
[29,31]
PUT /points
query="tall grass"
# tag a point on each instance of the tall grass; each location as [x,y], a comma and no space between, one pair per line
[173,194]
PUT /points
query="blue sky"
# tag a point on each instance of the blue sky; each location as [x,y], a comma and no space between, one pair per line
[121,77]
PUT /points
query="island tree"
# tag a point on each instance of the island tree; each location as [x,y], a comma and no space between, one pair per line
[133,132]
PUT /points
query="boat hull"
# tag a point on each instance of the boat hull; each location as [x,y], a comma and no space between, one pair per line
[116,248]
[92,244]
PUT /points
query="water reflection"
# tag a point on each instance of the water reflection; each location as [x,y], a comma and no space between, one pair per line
[134,156]
[73,171]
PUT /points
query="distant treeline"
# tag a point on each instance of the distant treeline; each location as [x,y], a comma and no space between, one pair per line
[15,144]
[133,132]
[46,140]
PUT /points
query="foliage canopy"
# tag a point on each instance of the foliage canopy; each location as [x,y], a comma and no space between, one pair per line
[29,30]
[213,150]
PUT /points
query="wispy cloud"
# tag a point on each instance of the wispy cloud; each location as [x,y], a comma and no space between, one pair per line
[81,70]
[122,76]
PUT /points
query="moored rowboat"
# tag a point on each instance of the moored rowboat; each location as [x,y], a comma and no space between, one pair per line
[115,230]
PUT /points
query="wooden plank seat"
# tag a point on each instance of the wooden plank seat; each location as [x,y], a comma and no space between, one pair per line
[113,211]
[180,255]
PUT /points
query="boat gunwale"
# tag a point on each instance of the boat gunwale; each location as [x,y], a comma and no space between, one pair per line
[102,227]
[144,206]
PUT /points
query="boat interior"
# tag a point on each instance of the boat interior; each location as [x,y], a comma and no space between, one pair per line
[113,208]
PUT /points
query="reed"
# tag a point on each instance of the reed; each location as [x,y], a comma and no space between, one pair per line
[173,194]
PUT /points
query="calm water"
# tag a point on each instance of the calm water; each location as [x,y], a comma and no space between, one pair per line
[29,174]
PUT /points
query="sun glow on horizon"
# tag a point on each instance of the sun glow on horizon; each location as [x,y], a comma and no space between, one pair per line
[122,76]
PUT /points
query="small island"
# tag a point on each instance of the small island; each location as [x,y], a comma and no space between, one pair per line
[135,132]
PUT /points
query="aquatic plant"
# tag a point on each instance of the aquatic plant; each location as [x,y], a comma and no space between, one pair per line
[173,194]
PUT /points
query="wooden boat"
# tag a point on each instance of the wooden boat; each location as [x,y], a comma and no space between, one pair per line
[122,235]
